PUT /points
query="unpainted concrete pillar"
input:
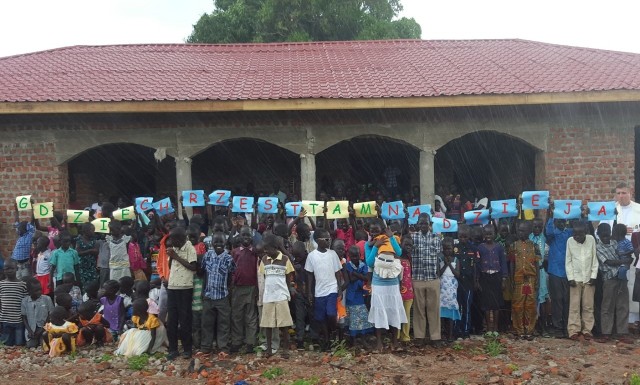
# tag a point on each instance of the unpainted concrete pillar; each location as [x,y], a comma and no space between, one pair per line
[427,176]
[183,180]
[308,176]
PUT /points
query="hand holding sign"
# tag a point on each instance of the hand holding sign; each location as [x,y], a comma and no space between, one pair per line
[443,225]
[23,203]
[567,209]
[337,209]
[191,198]
[414,212]
[43,210]
[77,216]
[535,200]
[602,211]
[125,214]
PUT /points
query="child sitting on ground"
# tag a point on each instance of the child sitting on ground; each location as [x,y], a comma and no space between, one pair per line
[74,291]
[113,308]
[142,291]
[61,334]
[147,336]
[35,313]
[93,327]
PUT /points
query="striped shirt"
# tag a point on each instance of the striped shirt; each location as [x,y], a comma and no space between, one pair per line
[11,294]
[196,303]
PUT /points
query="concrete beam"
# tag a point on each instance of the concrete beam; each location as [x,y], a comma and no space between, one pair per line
[427,176]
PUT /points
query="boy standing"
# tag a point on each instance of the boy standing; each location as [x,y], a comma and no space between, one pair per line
[278,283]
[323,274]
[244,312]
[22,249]
[217,266]
[64,260]
[35,312]
[582,270]
[615,296]
[182,261]
[467,255]
[557,235]
[12,290]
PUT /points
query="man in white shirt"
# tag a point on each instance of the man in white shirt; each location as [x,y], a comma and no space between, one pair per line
[582,270]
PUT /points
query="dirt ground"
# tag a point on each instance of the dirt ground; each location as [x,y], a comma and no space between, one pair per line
[480,360]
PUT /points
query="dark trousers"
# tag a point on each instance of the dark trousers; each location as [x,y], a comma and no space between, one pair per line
[465,300]
[216,320]
[196,329]
[615,307]
[179,318]
[559,292]
[244,315]
[302,313]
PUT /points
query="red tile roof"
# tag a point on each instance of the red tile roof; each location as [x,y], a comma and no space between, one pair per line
[334,70]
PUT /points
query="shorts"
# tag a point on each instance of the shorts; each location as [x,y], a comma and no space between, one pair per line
[325,307]
[276,315]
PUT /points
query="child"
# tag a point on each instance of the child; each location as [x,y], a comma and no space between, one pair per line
[467,255]
[278,275]
[339,248]
[323,274]
[300,299]
[113,308]
[356,309]
[625,248]
[582,270]
[525,257]
[557,235]
[63,298]
[118,254]
[217,266]
[361,238]
[126,292]
[64,260]
[136,262]
[43,266]
[12,291]
[61,334]
[88,248]
[387,264]
[94,328]
[406,286]
[244,314]
[492,277]
[183,264]
[142,291]
[544,300]
[35,313]
[147,336]
[193,233]
[91,292]
[615,298]
[449,273]
[345,232]
[73,290]
[22,249]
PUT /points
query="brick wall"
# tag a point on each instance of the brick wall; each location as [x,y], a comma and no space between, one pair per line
[587,163]
[28,169]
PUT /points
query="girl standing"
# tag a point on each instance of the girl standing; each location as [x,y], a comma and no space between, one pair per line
[119,261]
[356,309]
[449,274]
[87,248]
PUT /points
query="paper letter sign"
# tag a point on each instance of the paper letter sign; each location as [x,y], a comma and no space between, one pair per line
[504,209]
[392,210]
[602,211]
[337,209]
[365,209]
[220,198]
[415,211]
[477,217]
[23,202]
[163,207]
[443,225]
[564,209]
[242,205]
[126,214]
[191,198]
[535,200]
[144,204]
[293,208]
[77,216]
[43,210]
[268,205]
[101,225]
[313,208]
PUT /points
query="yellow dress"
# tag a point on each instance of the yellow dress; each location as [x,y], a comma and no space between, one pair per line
[54,338]
[135,342]
[525,258]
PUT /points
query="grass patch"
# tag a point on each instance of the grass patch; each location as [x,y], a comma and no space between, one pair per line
[340,349]
[493,347]
[634,379]
[457,346]
[272,373]
[104,358]
[138,362]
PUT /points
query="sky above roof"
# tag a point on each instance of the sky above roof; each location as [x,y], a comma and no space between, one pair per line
[33,25]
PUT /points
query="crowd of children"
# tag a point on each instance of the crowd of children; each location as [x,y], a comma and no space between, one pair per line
[177,283]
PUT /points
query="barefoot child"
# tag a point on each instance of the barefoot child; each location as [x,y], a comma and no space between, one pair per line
[93,326]
[301,301]
[147,336]
[35,313]
[43,266]
[492,277]
[525,257]
[449,274]
[357,312]
[406,286]
[278,275]
[244,315]
[61,334]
